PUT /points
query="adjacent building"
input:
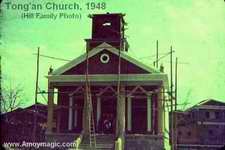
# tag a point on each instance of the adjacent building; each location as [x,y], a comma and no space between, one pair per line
[18,125]
[109,91]
[201,127]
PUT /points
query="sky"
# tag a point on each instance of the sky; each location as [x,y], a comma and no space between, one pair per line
[195,29]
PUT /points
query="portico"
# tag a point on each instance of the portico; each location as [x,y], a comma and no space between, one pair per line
[140,102]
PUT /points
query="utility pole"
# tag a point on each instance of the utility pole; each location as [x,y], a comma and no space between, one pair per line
[89,107]
[176,83]
[157,54]
[1,98]
[171,76]
[175,115]
[35,99]
[118,127]
[171,97]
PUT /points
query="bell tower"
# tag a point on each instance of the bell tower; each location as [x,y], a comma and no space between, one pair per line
[108,28]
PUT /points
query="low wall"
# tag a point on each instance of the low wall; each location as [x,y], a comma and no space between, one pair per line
[144,142]
[61,137]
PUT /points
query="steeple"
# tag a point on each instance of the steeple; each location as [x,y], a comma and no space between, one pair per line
[108,28]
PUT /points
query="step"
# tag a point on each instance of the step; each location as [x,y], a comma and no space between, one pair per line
[101,145]
[98,146]
[103,142]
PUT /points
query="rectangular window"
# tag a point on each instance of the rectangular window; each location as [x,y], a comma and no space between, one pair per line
[207,115]
[212,115]
[217,115]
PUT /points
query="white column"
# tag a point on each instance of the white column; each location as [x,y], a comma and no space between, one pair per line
[160,110]
[149,117]
[50,123]
[70,119]
[98,109]
[75,114]
[129,114]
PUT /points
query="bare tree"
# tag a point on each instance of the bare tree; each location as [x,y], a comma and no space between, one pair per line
[1,24]
[11,98]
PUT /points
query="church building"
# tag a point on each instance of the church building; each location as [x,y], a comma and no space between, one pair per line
[107,94]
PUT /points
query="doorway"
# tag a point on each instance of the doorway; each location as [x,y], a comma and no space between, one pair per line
[107,123]
[139,115]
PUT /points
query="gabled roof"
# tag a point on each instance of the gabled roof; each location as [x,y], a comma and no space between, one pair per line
[211,102]
[208,104]
[93,52]
[41,109]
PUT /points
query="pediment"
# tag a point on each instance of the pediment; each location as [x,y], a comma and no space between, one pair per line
[104,59]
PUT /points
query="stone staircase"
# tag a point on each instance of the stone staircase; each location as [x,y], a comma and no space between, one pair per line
[103,142]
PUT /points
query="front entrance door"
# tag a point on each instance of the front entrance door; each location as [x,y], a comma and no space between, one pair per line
[108,115]
[139,115]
